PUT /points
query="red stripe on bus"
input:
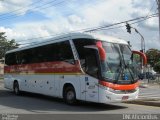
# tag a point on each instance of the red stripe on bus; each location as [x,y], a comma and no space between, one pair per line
[47,67]
[119,87]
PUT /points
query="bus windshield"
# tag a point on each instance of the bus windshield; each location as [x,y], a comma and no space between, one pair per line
[118,66]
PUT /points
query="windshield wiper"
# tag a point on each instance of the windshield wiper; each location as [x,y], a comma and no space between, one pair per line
[126,66]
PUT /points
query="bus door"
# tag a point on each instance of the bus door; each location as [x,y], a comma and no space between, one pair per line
[91,70]
[57,79]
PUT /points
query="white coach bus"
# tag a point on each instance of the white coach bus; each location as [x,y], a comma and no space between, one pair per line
[75,66]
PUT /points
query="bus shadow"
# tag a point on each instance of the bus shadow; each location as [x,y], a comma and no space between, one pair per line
[5,93]
[43,104]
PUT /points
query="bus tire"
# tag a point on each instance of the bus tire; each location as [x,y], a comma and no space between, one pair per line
[70,95]
[16,88]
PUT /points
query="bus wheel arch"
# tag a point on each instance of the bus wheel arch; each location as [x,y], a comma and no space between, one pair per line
[16,87]
[69,94]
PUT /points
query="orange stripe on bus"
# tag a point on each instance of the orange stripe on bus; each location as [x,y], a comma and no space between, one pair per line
[118,86]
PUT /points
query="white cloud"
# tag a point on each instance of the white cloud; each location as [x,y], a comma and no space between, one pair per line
[18,6]
[84,16]
[11,33]
[151,24]
[76,20]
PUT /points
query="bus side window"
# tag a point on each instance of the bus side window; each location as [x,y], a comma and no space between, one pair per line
[91,65]
[10,59]
[79,44]
[64,52]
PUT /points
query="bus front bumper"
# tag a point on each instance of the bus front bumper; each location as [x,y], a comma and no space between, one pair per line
[106,96]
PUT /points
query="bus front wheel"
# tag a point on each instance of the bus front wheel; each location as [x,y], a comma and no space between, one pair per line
[70,95]
[16,88]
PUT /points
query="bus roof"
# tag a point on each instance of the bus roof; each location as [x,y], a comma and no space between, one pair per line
[69,36]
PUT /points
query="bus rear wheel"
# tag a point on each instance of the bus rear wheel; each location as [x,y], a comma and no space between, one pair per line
[16,88]
[70,95]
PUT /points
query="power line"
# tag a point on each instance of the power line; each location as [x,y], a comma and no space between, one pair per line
[41,6]
[50,5]
[152,7]
[105,26]
[158,3]
[130,23]
[9,17]
[135,19]
[22,8]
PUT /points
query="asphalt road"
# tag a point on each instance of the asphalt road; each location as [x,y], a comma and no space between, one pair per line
[34,105]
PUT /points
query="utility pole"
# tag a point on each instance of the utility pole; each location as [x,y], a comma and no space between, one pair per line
[158,3]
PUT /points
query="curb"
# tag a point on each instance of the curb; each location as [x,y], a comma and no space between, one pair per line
[149,85]
[1,80]
[148,102]
[143,86]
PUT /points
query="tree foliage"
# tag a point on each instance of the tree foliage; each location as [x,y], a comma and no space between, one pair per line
[153,56]
[157,67]
[137,58]
[6,45]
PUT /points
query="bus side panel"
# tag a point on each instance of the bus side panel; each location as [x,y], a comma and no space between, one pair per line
[8,81]
[70,79]
[57,86]
[43,84]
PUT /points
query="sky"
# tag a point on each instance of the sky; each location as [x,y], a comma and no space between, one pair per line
[25,20]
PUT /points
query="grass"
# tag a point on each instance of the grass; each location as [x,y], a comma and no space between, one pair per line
[1,77]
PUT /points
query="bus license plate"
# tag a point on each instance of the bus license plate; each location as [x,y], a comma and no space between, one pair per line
[125,97]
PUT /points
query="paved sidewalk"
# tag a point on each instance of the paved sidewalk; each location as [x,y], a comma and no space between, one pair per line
[145,84]
[149,95]
[1,80]
[1,83]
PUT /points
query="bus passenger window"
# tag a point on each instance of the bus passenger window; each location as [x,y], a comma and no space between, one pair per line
[64,52]
[91,66]
[79,44]
[10,59]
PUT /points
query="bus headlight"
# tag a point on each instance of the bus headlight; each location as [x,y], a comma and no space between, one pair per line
[122,91]
[137,88]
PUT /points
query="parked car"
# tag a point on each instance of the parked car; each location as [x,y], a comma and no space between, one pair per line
[147,75]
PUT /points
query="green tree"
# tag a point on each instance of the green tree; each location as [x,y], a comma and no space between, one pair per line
[153,56]
[157,67]
[6,45]
[137,58]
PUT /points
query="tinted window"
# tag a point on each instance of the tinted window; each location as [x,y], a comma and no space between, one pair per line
[10,59]
[53,52]
[87,56]
[91,65]
[80,43]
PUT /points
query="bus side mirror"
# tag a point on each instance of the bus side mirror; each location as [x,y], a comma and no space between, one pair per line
[142,55]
